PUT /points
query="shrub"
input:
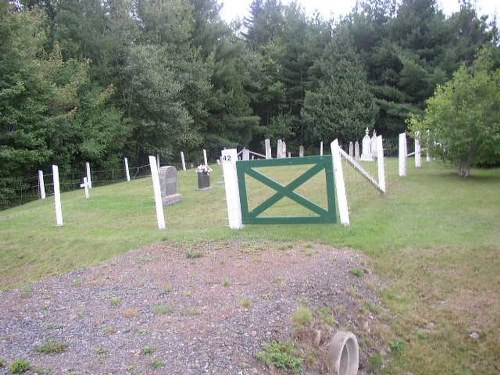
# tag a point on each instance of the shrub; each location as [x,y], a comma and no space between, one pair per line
[51,347]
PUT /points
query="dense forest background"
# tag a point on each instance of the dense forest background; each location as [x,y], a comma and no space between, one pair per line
[97,80]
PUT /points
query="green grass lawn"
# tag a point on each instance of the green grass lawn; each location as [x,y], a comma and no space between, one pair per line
[433,238]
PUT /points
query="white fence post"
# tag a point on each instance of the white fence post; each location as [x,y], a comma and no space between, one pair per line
[321,148]
[380,163]
[89,177]
[418,152]
[57,195]
[402,154]
[229,158]
[338,175]
[205,157]
[157,192]
[268,149]
[41,185]
[183,161]
[127,172]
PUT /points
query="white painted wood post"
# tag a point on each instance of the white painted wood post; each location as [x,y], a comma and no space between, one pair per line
[380,163]
[402,154]
[229,158]
[428,157]
[183,161]
[41,185]
[57,195]
[89,177]
[268,149]
[321,148]
[127,172]
[338,175]
[85,185]
[157,192]
[158,161]
[205,157]
[418,152]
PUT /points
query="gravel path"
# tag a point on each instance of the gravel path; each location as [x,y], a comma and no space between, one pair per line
[170,310]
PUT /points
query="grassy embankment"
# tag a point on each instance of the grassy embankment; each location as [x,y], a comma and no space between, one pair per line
[434,238]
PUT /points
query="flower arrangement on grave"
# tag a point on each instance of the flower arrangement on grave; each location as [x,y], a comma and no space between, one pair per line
[204,169]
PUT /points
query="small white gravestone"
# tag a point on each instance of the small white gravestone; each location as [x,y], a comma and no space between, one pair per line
[356,151]
[351,150]
[168,186]
[301,151]
[279,151]
[366,154]
[321,148]
[283,149]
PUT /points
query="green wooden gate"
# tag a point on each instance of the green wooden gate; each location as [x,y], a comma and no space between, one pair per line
[318,164]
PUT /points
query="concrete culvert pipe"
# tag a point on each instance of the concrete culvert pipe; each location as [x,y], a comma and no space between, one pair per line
[343,354]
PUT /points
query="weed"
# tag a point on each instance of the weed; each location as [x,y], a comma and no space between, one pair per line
[142,331]
[148,350]
[375,362]
[281,355]
[42,370]
[397,346]
[51,347]
[156,364]
[325,315]
[101,351]
[144,260]
[116,301]
[302,318]
[76,281]
[163,309]
[227,282]
[358,272]
[168,288]
[192,254]
[2,363]
[54,326]
[246,303]
[19,366]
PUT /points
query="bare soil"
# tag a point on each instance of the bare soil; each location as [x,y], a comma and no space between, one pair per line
[192,309]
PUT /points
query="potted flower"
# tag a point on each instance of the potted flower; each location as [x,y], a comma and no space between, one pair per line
[203,172]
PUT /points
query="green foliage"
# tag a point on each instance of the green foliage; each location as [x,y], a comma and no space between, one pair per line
[302,318]
[461,122]
[343,105]
[148,350]
[19,366]
[163,309]
[358,272]
[281,356]
[51,347]
[156,364]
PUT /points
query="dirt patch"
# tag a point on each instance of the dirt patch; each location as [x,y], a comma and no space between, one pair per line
[206,309]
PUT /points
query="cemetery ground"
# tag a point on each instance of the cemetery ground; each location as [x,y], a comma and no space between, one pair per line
[416,274]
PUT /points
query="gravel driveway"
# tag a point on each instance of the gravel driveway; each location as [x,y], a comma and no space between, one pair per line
[204,309]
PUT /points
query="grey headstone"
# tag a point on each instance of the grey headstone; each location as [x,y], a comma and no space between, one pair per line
[168,186]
